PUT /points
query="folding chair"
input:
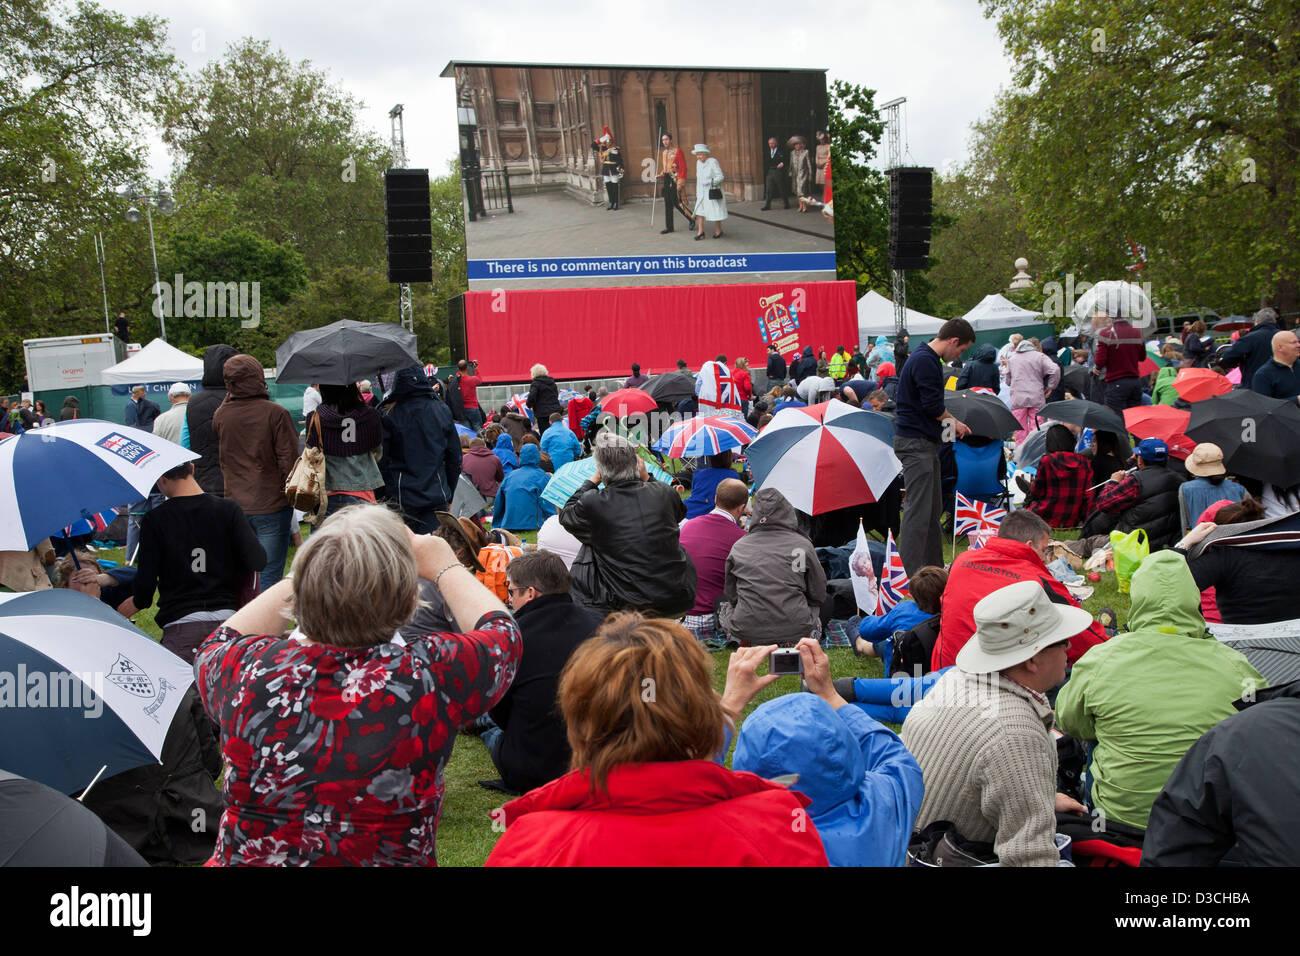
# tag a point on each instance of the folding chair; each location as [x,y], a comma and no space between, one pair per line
[977,473]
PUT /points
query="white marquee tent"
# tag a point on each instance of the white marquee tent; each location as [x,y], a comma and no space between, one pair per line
[998,312]
[876,317]
[156,362]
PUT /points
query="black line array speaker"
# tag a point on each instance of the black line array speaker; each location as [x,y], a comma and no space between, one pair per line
[910,212]
[408,226]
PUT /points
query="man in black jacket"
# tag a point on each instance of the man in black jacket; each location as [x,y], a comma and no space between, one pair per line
[198,416]
[529,745]
[774,175]
[1146,498]
[776,369]
[1254,349]
[1233,798]
[631,557]
[421,459]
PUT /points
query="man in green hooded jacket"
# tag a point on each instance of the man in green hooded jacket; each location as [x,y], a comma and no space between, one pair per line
[1146,696]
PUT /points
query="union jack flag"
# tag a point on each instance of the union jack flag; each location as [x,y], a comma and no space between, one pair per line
[893,578]
[717,392]
[976,516]
[979,538]
[519,403]
[91,524]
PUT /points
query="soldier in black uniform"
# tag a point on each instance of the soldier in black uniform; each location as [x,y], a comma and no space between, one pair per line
[611,165]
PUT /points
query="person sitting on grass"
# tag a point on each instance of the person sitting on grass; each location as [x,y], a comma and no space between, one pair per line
[865,787]
[560,443]
[291,711]
[1121,697]
[519,503]
[1060,493]
[876,633]
[647,731]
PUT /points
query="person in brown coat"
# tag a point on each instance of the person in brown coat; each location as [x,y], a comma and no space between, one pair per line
[258,447]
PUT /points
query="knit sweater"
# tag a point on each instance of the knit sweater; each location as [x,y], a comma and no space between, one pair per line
[985,748]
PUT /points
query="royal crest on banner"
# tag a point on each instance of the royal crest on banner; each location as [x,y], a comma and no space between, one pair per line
[779,324]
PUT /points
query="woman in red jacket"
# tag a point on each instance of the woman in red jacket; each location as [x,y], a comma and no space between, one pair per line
[646,727]
[744,384]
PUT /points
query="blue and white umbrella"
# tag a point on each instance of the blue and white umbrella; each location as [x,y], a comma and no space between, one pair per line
[569,478]
[83,691]
[70,471]
[567,395]
[465,430]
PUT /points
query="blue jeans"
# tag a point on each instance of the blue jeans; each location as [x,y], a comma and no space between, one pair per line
[890,699]
[492,740]
[474,418]
[273,534]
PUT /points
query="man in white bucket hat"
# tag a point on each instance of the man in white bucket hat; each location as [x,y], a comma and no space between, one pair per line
[983,735]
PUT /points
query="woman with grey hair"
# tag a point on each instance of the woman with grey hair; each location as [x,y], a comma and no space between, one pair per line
[631,558]
[335,737]
[543,398]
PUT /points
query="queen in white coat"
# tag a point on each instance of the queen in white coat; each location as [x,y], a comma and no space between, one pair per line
[708,175]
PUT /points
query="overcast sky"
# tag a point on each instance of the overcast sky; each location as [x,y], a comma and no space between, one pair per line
[943,55]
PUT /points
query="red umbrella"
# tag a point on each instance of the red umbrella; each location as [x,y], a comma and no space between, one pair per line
[1198,384]
[1164,422]
[628,401]
[1146,367]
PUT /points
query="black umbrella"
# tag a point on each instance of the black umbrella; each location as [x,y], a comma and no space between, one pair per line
[1078,379]
[1260,436]
[982,412]
[41,827]
[671,387]
[1085,414]
[344,352]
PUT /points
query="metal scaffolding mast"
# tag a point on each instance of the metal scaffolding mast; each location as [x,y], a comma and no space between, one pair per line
[405,308]
[894,150]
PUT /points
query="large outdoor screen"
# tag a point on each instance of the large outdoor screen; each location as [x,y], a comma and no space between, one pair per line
[567,178]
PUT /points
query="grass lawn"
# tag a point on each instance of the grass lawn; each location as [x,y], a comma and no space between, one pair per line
[466,834]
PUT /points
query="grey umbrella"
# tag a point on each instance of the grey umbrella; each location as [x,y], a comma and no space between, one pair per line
[982,412]
[1078,411]
[344,352]
[41,827]
[671,387]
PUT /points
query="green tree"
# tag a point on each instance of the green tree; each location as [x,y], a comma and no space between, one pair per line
[274,146]
[1175,125]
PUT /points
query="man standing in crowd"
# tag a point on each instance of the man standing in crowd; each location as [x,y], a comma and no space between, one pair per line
[258,446]
[1278,378]
[140,411]
[708,540]
[469,383]
[636,379]
[527,739]
[1016,553]
[774,175]
[631,557]
[776,367]
[171,423]
[983,734]
[920,426]
[197,550]
[1120,350]
[421,462]
[1253,349]
[198,416]
[672,172]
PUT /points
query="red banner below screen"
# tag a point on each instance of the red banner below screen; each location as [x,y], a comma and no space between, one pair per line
[590,333]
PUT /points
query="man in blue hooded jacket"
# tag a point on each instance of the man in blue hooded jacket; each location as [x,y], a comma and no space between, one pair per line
[865,787]
[421,459]
[519,504]
[560,443]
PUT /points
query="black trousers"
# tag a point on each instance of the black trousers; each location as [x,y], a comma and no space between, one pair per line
[672,200]
[611,191]
[774,187]
[1123,393]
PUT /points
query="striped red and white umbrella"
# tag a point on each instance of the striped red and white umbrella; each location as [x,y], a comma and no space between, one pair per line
[825,456]
[705,436]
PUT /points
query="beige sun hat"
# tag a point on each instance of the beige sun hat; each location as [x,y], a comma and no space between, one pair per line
[1206,460]
[1014,623]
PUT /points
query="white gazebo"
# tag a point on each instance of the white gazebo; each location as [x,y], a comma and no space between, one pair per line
[998,312]
[156,362]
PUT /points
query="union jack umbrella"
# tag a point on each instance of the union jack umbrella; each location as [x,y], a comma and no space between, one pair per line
[519,403]
[68,471]
[976,516]
[825,456]
[705,436]
[893,578]
[91,524]
[567,395]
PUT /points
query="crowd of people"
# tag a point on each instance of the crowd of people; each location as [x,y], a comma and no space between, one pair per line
[1007,722]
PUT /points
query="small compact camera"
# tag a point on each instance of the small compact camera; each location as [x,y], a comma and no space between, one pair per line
[785,660]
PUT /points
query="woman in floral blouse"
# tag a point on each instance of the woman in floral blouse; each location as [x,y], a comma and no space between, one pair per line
[335,740]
